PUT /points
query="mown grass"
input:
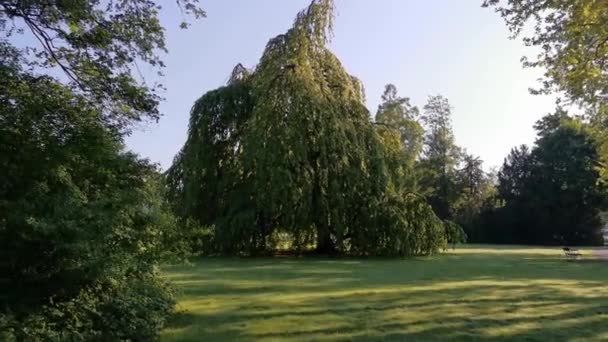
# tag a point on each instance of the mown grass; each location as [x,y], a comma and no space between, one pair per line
[473,293]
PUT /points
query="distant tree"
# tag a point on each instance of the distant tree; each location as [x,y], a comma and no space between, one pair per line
[396,114]
[441,157]
[552,194]
[472,174]
[514,174]
[476,192]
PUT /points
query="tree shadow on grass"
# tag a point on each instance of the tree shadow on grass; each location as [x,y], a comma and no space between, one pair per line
[490,297]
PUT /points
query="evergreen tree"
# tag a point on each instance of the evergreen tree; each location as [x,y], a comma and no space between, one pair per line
[477,191]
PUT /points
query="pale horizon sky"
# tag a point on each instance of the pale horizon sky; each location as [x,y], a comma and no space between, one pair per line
[453,48]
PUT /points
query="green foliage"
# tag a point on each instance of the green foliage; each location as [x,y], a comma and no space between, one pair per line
[97,45]
[573,41]
[207,178]
[551,194]
[396,116]
[404,225]
[82,225]
[454,233]
[289,149]
[439,176]
[132,308]
[573,37]
[477,194]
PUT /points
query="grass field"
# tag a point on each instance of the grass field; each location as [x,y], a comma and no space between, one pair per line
[473,293]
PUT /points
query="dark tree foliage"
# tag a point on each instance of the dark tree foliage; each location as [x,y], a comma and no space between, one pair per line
[207,180]
[551,195]
[476,193]
[82,225]
[516,170]
[98,46]
[288,149]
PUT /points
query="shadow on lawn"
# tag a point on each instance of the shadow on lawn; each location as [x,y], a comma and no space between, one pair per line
[453,297]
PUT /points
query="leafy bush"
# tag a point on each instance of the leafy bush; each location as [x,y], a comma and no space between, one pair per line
[454,233]
[82,224]
[402,226]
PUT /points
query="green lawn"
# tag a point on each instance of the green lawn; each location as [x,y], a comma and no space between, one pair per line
[474,293]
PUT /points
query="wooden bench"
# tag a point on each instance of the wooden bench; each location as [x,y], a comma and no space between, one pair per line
[571,253]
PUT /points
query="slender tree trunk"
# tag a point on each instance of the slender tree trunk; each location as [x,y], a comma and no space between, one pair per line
[324,243]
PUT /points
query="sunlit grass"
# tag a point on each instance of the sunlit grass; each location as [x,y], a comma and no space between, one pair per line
[478,292]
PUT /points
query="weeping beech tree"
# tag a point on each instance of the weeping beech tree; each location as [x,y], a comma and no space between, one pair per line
[289,149]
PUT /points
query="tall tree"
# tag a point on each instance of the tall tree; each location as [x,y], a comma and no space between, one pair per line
[476,193]
[441,157]
[298,156]
[516,170]
[397,115]
[472,173]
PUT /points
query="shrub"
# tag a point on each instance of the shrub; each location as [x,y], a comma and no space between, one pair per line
[82,224]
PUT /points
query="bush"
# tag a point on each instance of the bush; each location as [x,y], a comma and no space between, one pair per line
[82,224]
[454,233]
[403,226]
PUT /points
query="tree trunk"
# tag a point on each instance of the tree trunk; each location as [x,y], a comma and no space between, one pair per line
[324,243]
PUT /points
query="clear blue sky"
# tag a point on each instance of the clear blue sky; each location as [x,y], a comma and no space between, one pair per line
[455,48]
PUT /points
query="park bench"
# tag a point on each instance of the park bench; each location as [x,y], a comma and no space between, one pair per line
[572,253]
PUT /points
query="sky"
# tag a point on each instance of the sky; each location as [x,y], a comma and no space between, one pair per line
[453,48]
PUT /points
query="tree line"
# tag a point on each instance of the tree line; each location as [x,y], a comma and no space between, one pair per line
[285,155]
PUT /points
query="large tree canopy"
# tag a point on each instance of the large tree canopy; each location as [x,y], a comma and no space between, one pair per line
[289,149]
[98,45]
[573,37]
